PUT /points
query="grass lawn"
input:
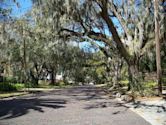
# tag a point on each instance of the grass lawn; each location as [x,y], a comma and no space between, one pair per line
[11,94]
[18,89]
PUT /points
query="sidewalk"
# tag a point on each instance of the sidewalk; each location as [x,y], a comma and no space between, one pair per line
[152,110]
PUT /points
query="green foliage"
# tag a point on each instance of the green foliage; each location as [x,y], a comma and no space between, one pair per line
[7,87]
[124,82]
[19,86]
[10,80]
[30,85]
[149,84]
[149,88]
[164,80]
[62,83]
[47,49]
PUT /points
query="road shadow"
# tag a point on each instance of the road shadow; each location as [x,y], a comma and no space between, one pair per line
[106,104]
[164,97]
[19,107]
[159,108]
[85,93]
[115,107]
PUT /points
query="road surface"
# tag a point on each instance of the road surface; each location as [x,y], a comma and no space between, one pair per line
[73,106]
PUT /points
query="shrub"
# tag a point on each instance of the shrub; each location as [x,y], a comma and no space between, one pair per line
[10,80]
[30,85]
[7,87]
[19,86]
[149,88]
[150,84]
[164,80]
[124,82]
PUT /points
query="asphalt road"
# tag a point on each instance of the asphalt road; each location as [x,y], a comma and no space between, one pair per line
[74,106]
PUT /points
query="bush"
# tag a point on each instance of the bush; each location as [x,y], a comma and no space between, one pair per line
[164,81]
[149,88]
[19,86]
[124,82]
[10,80]
[149,84]
[30,85]
[7,87]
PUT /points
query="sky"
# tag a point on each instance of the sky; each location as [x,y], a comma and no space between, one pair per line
[17,10]
[24,6]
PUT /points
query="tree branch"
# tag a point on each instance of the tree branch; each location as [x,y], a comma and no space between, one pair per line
[121,20]
[122,50]
[91,34]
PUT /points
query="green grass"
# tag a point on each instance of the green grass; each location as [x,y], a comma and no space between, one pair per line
[11,89]
[12,94]
[61,84]
[148,87]
[53,86]
[149,84]
[146,84]
[17,89]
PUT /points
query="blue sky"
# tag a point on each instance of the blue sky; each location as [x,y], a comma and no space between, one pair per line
[24,6]
[17,11]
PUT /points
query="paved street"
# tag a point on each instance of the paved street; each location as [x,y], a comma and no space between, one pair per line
[72,106]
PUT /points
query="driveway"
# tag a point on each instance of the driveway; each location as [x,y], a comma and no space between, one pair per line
[73,106]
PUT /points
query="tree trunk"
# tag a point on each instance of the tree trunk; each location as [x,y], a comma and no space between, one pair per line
[34,80]
[24,62]
[134,78]
[133,69]
[117,66]
[52,77]
[1,73]
[114,81]
[116,77]
[157,40]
